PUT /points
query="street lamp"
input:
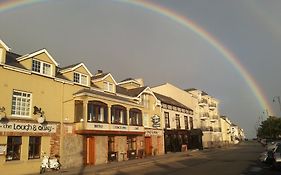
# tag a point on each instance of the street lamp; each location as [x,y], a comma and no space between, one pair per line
[278,100]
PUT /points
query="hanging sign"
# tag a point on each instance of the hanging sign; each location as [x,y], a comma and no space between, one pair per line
[155,121]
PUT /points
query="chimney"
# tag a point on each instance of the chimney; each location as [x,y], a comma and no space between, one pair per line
[140,81]
[99,72]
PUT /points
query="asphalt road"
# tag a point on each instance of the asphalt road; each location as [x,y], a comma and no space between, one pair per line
[237,160]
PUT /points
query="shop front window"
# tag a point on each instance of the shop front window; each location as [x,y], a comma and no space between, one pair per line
[13,148]
[167,120]
[34,147]
[186,122]
[178,126]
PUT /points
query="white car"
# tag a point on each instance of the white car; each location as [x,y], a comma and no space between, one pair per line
[277,156]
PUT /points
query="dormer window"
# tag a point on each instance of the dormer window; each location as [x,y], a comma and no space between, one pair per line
[108,86]
[80,78]
[41,67]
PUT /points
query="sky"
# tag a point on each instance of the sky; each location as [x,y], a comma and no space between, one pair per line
[132,41]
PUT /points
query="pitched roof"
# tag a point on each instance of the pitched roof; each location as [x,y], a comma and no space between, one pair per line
[127,79]
[204,93]
[73,67]
[190,89]
[170,101]
[38,53]
[4,45]
[68,67]
[92,91]
[11,59]
[99,76]
[130,92]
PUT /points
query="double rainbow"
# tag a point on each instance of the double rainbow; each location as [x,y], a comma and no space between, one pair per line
[185,22]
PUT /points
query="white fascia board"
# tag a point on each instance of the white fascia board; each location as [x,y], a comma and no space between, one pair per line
[101,79]
[5,46]
[38,53]
[109,74]
[82,64]
[128,81]
[63,81]
[148,90]
[17,69]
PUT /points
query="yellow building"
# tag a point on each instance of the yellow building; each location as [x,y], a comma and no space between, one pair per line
[34,107]
[178,98]
[85,119]
[208,112]
[152,119]
[226,130]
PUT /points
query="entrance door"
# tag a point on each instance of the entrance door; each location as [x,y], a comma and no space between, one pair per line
[148,146]
[90,151]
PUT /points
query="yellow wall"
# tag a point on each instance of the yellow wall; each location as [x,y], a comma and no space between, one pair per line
[53,97]
[23,166]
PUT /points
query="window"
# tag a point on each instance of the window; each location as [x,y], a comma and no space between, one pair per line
[135,117]
[78,110]
[46,69]
[145,101]
[178,125]
[132,143]
[186,122]
[34,147]
[13,148]
[21,102]
[97,111]
[118,114]
[191,122]
[108,86]
[80,78]
[167,120]
[41,67]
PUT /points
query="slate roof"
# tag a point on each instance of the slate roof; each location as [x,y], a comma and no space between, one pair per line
[170,101]
[98,76]
[190,89]
[70,66]
[127,79]
[130,92]
[194,89]
[11,59]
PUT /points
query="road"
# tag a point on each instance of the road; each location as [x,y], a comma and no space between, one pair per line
[236,160]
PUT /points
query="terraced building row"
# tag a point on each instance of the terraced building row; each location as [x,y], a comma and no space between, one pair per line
[88,118]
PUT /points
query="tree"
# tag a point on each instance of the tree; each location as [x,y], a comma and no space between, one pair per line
[270,128]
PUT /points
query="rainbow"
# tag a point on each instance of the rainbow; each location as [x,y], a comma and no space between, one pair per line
[187,23]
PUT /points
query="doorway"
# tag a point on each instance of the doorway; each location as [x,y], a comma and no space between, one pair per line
[90,151]
[148,146]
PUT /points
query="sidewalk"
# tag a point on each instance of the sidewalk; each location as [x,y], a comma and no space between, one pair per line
[129,163]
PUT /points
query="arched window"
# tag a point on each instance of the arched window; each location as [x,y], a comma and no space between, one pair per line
[135,117]
[97,112]
[118,114]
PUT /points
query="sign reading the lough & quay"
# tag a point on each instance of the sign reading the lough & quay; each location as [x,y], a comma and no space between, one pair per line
[27,127]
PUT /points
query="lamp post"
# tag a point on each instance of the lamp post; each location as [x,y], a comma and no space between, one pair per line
[278,100]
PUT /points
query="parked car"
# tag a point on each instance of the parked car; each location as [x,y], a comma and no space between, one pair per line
[277,156]
[270,146]
[267,156]
[272,157]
